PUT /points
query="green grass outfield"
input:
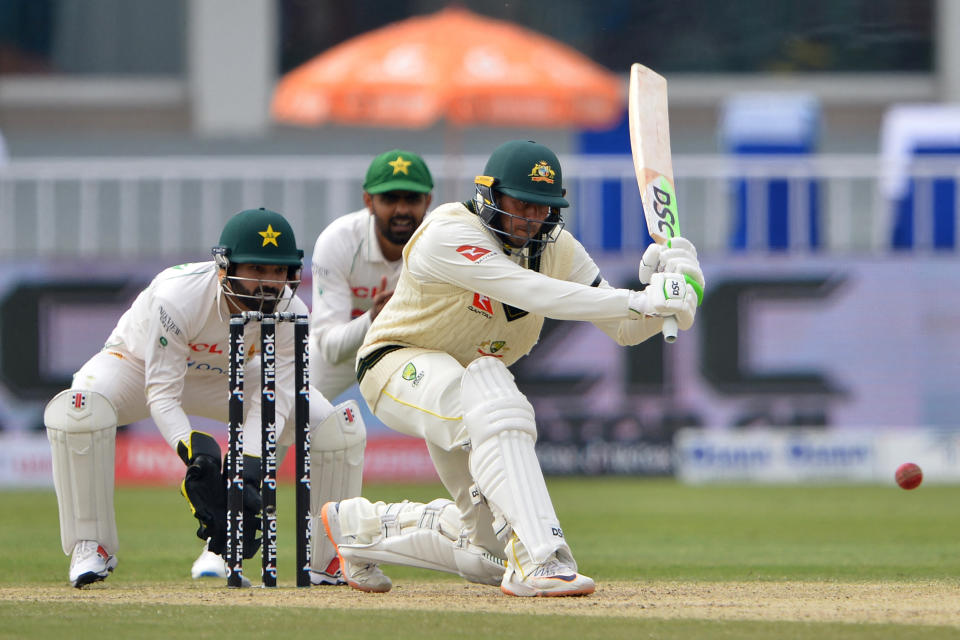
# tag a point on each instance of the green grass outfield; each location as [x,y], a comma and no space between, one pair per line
[671,561]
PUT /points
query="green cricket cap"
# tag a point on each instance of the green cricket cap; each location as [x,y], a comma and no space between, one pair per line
[398,170]
[527,171]
[259,236]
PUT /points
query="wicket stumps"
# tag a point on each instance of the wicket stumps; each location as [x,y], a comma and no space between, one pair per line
[268,430]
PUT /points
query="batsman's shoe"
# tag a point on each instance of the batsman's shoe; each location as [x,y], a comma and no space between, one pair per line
[329,577]
[90,563]
[208,565]
[359,575]
[551,578]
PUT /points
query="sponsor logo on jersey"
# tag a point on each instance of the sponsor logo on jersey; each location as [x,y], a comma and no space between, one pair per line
[482,305]
[193,365]
[204,347]
[365,292]
[472,253]
[492,348]
[542,172]
[167,322]
[410,374]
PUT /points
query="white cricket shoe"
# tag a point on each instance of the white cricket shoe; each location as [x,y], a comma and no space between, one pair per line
[208,565]
[552,578]
[329,577]
[361,576]
[89,563]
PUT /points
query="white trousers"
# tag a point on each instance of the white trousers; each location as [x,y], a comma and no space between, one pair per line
[425,402]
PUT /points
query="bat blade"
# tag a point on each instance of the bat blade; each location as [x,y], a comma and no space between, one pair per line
[652,160]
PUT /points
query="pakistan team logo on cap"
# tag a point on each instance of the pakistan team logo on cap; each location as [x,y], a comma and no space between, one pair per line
[400,166]
[542,172]
[270,236]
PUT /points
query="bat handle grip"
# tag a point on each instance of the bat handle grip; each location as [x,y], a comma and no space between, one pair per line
[670,329]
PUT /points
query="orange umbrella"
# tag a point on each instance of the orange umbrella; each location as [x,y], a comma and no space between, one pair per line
[454,64]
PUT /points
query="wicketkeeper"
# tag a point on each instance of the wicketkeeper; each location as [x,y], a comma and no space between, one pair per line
[167,359]
[356,264]
[478,279]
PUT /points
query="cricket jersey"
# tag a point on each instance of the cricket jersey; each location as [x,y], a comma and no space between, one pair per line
[348,271]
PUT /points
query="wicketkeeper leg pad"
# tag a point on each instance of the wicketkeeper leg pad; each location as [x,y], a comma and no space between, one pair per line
[412,534]
[503,461]
[82,429]
[336,472]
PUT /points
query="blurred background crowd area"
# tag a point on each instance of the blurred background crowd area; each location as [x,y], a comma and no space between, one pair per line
[137,67]
[141,37]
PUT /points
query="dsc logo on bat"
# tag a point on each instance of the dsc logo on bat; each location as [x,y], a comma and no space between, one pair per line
[662,197]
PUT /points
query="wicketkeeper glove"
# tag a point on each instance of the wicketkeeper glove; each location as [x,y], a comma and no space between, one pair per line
[204,488]
[252,505]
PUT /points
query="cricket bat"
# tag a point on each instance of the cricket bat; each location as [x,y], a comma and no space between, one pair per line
[650,143]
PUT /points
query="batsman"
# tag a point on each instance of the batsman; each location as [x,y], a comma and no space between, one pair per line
[167,359]
[477,281]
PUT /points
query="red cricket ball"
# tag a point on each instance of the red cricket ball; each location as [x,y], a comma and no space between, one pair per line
[909,475]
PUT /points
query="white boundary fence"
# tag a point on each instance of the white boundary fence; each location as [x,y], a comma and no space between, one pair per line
[176,206]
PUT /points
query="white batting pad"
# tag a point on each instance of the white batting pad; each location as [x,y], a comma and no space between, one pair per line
[336,471]
[82,429]
[503,461]
[413,534]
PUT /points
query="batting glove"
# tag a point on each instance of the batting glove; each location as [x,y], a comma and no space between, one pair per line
[669,294]
[681,257]
[650,263]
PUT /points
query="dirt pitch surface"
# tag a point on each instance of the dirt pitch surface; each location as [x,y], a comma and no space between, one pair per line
[881,602]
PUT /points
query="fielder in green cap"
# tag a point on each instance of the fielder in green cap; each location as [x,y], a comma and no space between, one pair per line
[478,279]
[356,263]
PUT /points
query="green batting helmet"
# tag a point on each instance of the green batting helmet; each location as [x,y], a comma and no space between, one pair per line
[258,236]
[528,171]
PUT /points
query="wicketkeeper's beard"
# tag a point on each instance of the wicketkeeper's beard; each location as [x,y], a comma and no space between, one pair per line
[259,298]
